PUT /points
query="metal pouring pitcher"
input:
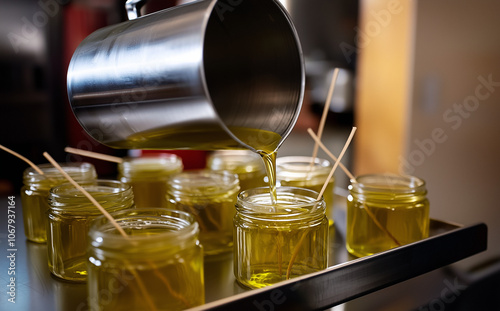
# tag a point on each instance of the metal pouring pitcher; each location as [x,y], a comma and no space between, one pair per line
[206,75]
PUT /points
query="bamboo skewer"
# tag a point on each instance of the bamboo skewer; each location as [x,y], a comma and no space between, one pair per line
[94,155]
[334,158]
[142,287]
[169,286]
[299,244]
[325,112]
[86,194]
[36,168]
[379,225]
[295,253]
[353,131]
[353,179]
[279,239]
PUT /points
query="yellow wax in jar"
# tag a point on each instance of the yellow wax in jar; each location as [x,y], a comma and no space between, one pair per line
[279,241]
[158,266]
[70,215]
[210,197]
[385,211]
[304,172]
[35,192]
[148,177]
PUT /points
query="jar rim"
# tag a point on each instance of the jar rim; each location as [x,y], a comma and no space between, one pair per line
[299,167]
[165,162]
[160,158]
[301,160]
[74,169]
[113,195]
[196,182]
[177,224]
[233,160]
[293,202]
[117,187]
[399,184]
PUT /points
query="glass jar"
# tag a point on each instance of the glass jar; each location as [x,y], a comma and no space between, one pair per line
[159,266]
[148,177]
[385,211]
[70,214]
[302,172]
[246,164]
[282,241]
[35,191]
[209,196]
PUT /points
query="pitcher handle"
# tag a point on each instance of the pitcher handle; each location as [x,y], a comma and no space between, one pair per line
[133,8]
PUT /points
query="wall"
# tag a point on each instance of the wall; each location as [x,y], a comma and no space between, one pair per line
[425,107]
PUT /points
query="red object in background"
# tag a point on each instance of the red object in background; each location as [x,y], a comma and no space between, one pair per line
[191,159]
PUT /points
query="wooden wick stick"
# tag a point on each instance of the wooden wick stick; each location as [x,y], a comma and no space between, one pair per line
[111,219]
[169,286]
[142,287]
[211,218]
[295,253]
[325,112]
[36,168]
[337,162]
[334,158]
[90,197]
[279,239]
[379,225]
[94,155]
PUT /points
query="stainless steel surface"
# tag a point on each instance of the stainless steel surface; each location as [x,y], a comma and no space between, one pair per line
[345,279]
[166,79]
[357,277]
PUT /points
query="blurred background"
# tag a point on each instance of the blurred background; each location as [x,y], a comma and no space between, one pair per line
[420,79]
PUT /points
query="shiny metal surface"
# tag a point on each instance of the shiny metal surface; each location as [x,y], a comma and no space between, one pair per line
[360,276]
[346,278]
[133,8]
[172,79]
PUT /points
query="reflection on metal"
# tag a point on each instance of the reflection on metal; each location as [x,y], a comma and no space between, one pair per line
[345,281]
[346,278]
[186,69]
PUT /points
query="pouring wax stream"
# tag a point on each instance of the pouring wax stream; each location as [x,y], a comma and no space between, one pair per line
[320,195]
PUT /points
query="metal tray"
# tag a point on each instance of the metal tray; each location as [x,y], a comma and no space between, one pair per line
[345,279]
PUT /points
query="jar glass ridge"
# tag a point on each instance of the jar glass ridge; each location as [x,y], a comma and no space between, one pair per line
[209,196]
[385,211]
[247,164]
[161,258]
[277,242]
[70,214]
[35,191]
[303,172]
[148,177]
